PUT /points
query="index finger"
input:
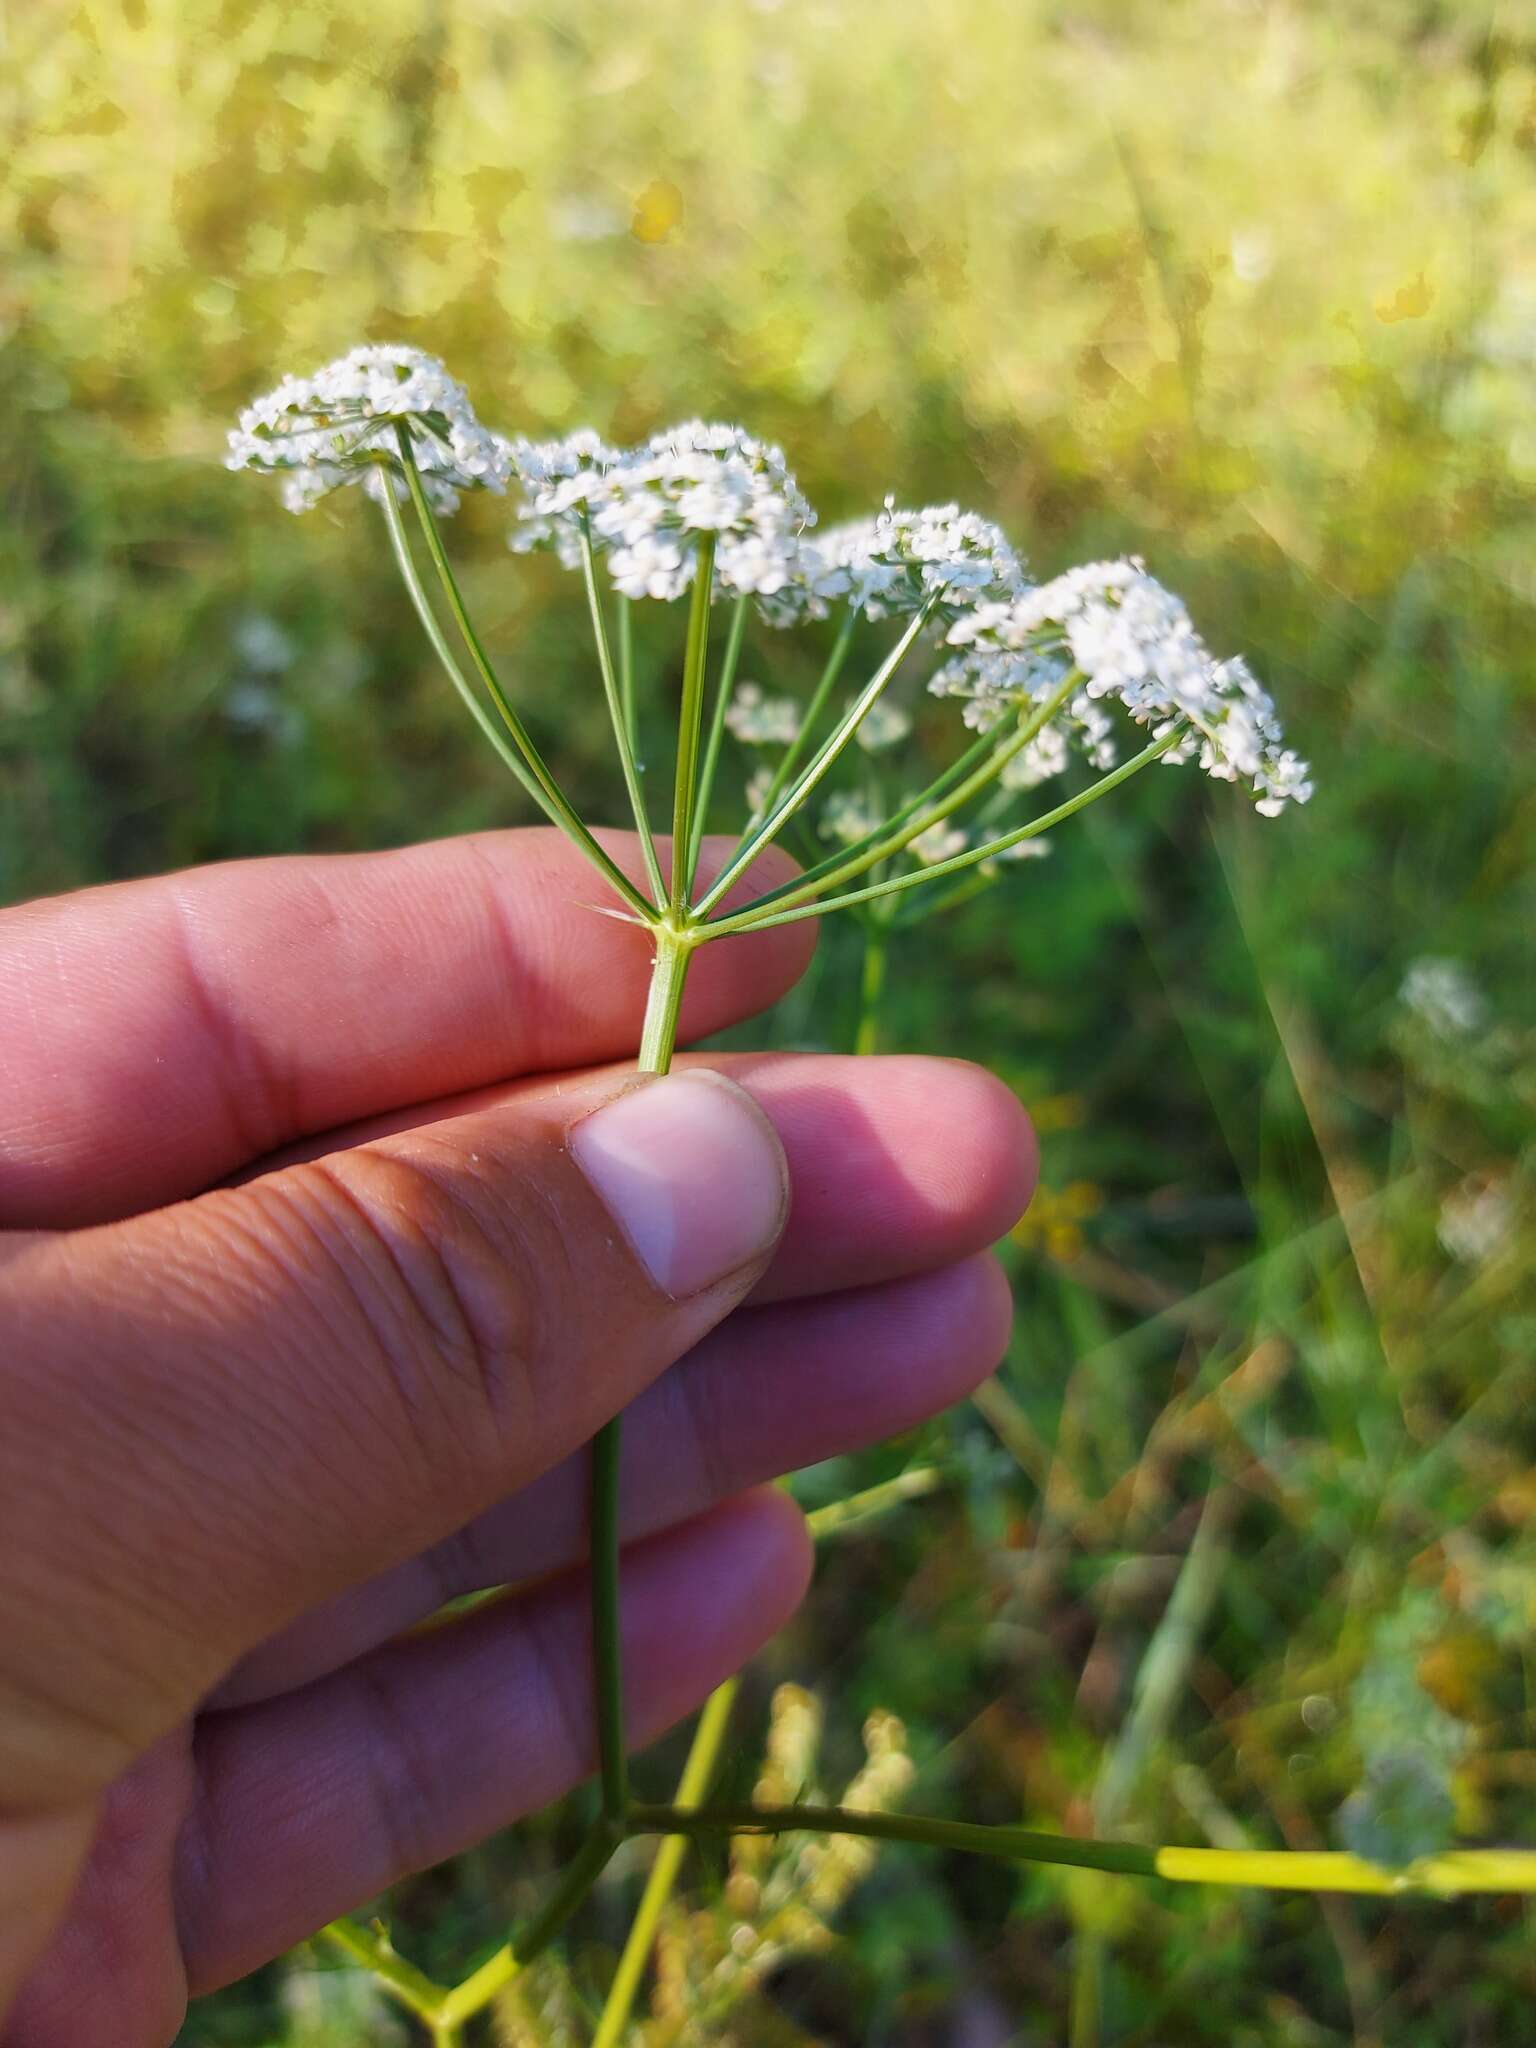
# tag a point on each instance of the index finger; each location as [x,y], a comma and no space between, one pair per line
[156,1036]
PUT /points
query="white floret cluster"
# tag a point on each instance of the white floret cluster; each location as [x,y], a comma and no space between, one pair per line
[939,841]
[758,720]
[1132,641]
[560,480]
[893,564]
[847,816]
[647,509]
[339,425]
[1104,635]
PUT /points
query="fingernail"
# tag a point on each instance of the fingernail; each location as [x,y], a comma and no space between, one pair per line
[693,1174]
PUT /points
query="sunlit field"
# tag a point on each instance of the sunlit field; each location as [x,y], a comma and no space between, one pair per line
[1239,1548]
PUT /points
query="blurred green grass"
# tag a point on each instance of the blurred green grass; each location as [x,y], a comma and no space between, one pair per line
[1247,288]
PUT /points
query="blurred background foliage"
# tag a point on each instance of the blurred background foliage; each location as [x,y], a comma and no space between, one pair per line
[1239,1545]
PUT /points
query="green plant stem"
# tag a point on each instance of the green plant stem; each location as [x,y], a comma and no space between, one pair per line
[556,804]
[939,788]
[838,1517]
[877,947]
[690,722]
[746,920]
[1018,1845]
[698,1769]
[903,832]
[813,710]
[404,1982]
[674,950]
[616,714]
[657,1038]
[724,690]
[1165,1665]
[627,678]
[831,748]
[400,543]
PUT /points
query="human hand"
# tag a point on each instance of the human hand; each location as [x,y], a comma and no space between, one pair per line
[309,1312]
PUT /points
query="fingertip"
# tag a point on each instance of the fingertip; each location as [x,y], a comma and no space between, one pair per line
[702,1599]
[989,1157]
[761,1558]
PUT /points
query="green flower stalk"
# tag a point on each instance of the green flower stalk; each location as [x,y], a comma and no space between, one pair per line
[1044,675]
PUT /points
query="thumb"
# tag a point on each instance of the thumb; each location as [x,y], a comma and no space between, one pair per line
[224,1412]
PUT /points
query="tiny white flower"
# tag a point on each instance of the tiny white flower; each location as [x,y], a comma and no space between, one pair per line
[697,479]
[941,841]
[559,479]
[261,645]
[339,427]
[892,564]
[759,720]
[759,782]
[1477,1219]
[848,817]
[1024,849]
[1444,996]
[1044,756]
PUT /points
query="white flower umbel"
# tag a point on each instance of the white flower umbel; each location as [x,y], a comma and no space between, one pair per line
[1132,641]
[847,817]
[939,842]
[758,720]
[898,561]
[560,480]
[340,426]
[1444,996]
[649,508]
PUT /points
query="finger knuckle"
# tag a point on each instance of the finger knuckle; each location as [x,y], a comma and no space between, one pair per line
[445,1282]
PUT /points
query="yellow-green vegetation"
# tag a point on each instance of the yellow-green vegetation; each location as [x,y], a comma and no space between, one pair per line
[1238,1549]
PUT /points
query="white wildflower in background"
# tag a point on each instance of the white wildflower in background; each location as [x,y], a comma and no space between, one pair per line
[759,782]
[941,841]
[759,720]
[261,645]
[1024,849]
[255,707]
[1132,640]
[338,427]
[848,817]
[1477,1219]
[1441,994]
[883,725]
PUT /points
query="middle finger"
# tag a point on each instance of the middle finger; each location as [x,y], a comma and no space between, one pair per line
[772,1389]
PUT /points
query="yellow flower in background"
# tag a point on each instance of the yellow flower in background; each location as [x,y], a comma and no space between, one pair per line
[1053,1224]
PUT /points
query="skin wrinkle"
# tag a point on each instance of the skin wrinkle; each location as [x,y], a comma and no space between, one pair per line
[523,998]
[324,1307]
[252,1227]
[403,1794]
[738,1407]
[246,1082]
[413,1251]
